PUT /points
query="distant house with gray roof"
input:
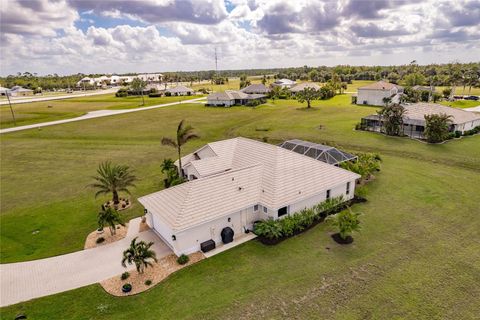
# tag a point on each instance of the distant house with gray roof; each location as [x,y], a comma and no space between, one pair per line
[180,91]
[301,86]
[256,88]
[374,93]
[230,98]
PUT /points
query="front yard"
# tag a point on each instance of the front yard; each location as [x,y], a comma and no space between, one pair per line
[415,258]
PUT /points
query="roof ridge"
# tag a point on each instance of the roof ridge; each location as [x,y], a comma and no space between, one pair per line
[183,205]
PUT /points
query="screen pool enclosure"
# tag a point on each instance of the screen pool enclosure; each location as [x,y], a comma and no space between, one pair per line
[318,151]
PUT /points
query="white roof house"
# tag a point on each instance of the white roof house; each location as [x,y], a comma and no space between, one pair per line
[180,91]
[283,83]
[303,85]
[235,182]
[229,98]
[373,94]
[414,119]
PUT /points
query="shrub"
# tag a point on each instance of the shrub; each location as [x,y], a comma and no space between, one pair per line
[346,222]
[125,276]
[358,126]
[203,90]
[366,164]
[328,206]
[100,240]
[458,134]
[183,259]
[148,282]
[270,229]
[287,225]
[155,94]
[122,92]
[168,94]
[253,103]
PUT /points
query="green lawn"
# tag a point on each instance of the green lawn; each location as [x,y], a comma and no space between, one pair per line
[461,103]
[417,256]
[460,91]
[35,112]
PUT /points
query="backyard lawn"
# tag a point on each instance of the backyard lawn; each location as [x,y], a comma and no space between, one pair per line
[461,103]
[416,257]
[35,112]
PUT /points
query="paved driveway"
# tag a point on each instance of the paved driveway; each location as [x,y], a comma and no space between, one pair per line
[96,114]
[32,279]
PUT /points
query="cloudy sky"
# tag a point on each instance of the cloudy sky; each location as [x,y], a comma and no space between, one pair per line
[90,36]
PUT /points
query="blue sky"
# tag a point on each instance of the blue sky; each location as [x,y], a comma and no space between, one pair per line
[89,36]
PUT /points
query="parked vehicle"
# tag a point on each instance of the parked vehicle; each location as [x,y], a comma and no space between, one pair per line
[474,98]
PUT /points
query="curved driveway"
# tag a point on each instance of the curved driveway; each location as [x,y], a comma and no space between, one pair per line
[23,281]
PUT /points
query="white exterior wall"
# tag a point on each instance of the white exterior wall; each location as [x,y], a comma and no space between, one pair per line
[227,103]
[190,170]
[374,97]
[467,125]
[188,241]
[161,228]
[334,192]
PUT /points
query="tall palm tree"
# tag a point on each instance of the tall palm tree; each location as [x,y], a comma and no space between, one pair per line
[140,254]
[113,179]
[109,217]
[184,134]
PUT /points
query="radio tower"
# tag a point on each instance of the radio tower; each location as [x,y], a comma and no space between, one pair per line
[216,61]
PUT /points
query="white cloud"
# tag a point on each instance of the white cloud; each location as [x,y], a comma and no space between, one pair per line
[40,36]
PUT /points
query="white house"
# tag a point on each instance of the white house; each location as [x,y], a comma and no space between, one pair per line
[180,91]
[374,93]
[4,91]
[233,183]
[230,98]
[414,119]
[151,77]
[18,91]
[301,86]
[283,83]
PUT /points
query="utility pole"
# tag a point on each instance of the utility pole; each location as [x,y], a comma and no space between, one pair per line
[216,61]
[11,109]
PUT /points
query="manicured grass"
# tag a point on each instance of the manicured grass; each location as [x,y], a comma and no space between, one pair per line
[461,103]
[416,257]
[460,91]
[35,112]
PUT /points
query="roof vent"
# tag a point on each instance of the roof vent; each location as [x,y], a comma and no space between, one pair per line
[233,179]
[240,188]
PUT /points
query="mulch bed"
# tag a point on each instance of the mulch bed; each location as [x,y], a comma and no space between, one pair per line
[159,272]
[123,204]
[343,206]
[339,240]
[91,241]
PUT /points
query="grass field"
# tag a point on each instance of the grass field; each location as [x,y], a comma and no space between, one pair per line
[417,256]
[35,112]
[461,103]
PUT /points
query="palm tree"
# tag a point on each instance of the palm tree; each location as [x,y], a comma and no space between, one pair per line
[437,127]
[346,222]
[113,178]
[109,217]
[184,134]
[139,254]
[386,101]
[168,167]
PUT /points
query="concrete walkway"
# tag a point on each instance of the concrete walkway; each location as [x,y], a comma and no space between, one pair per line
[18,100]
[96,114]
[33,279]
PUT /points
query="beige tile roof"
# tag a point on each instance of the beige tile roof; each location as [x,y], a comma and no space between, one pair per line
[268,175]
[417,111]
[301,86]
[380,85]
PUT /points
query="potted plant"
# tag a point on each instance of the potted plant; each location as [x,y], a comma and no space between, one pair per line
[127,287]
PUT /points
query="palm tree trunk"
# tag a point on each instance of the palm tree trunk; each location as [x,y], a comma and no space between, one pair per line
[180,171]
[115,197]
[308,104]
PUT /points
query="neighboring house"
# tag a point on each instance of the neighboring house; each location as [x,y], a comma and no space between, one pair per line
[374,93]
[86,81]
[234,183]
[4,91]
[283,83]
[230,98]
[151,77]
[424,88]
[180,91]
[301,86]
[414,119]
[256,88]
[18,91]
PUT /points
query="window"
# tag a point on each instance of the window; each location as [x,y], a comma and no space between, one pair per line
[282,211]
[348,188]
[265,209]
[255,208]
[328,194]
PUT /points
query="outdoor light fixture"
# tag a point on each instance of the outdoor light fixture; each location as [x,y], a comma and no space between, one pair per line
[229,219]
[145,211]
[173,237]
